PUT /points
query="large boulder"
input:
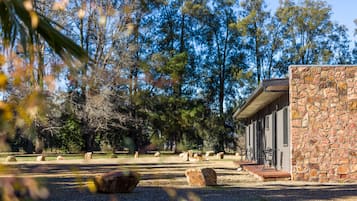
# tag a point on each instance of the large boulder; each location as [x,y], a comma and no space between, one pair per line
[201,177]
[10,159]
[117,182]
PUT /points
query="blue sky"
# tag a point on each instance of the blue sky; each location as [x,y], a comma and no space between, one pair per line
[344,12]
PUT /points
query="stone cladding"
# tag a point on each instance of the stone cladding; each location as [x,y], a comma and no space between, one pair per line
[323,105]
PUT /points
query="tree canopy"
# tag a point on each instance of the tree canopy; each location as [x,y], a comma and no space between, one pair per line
[166,74]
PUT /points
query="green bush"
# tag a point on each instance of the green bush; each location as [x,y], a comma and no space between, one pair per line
[71,140]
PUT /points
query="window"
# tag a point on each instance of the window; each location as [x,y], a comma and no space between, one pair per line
[267,122]
[285,126]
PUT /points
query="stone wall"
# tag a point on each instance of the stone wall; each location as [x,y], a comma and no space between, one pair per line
[323,103]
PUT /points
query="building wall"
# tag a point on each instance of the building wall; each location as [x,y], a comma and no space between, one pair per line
[323,105]
[254,148]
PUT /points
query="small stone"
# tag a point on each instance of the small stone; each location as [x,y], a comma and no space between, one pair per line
[209,153]
[157,154]
[201,177]
[220,155]
[117,182]
[88,156]
[185,156]
[10,159]
[59,158]
[190,153]
[40,158]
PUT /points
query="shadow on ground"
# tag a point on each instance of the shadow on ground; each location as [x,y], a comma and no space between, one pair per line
[64,189]
[165,182]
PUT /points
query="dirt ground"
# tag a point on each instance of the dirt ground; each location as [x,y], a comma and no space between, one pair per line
[163,179]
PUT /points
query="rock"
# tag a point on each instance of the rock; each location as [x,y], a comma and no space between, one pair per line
[201,177]
[195,155]
[198,158]
[220,155]
[209,153]
[41,158]
[59,158]
[136,155]
[88,156]
[183,154]
[10,159]
[157,154]
[117,182]
[186,157]
[190,153]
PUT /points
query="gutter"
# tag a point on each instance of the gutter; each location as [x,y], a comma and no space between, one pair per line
[263,88]
[256,92]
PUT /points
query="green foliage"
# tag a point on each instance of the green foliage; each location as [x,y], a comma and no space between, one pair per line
[70,138]
[165,72]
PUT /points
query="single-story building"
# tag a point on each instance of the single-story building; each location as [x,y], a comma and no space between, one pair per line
[305,124]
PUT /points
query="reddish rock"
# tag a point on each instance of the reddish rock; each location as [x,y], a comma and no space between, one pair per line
[313,173]
[343,169]
[117,182]
[201,177]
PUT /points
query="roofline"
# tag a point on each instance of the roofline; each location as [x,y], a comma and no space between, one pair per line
[261,88]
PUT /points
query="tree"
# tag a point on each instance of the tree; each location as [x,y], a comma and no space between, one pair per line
[305,29]
[253,26]
[340,45]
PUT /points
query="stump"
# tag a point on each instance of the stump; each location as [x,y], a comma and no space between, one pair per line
[117,182]
[201,177]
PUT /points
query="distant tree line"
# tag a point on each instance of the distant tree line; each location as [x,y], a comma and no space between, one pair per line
[161,74]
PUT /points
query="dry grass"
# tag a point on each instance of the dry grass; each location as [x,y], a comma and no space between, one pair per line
[163,179]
